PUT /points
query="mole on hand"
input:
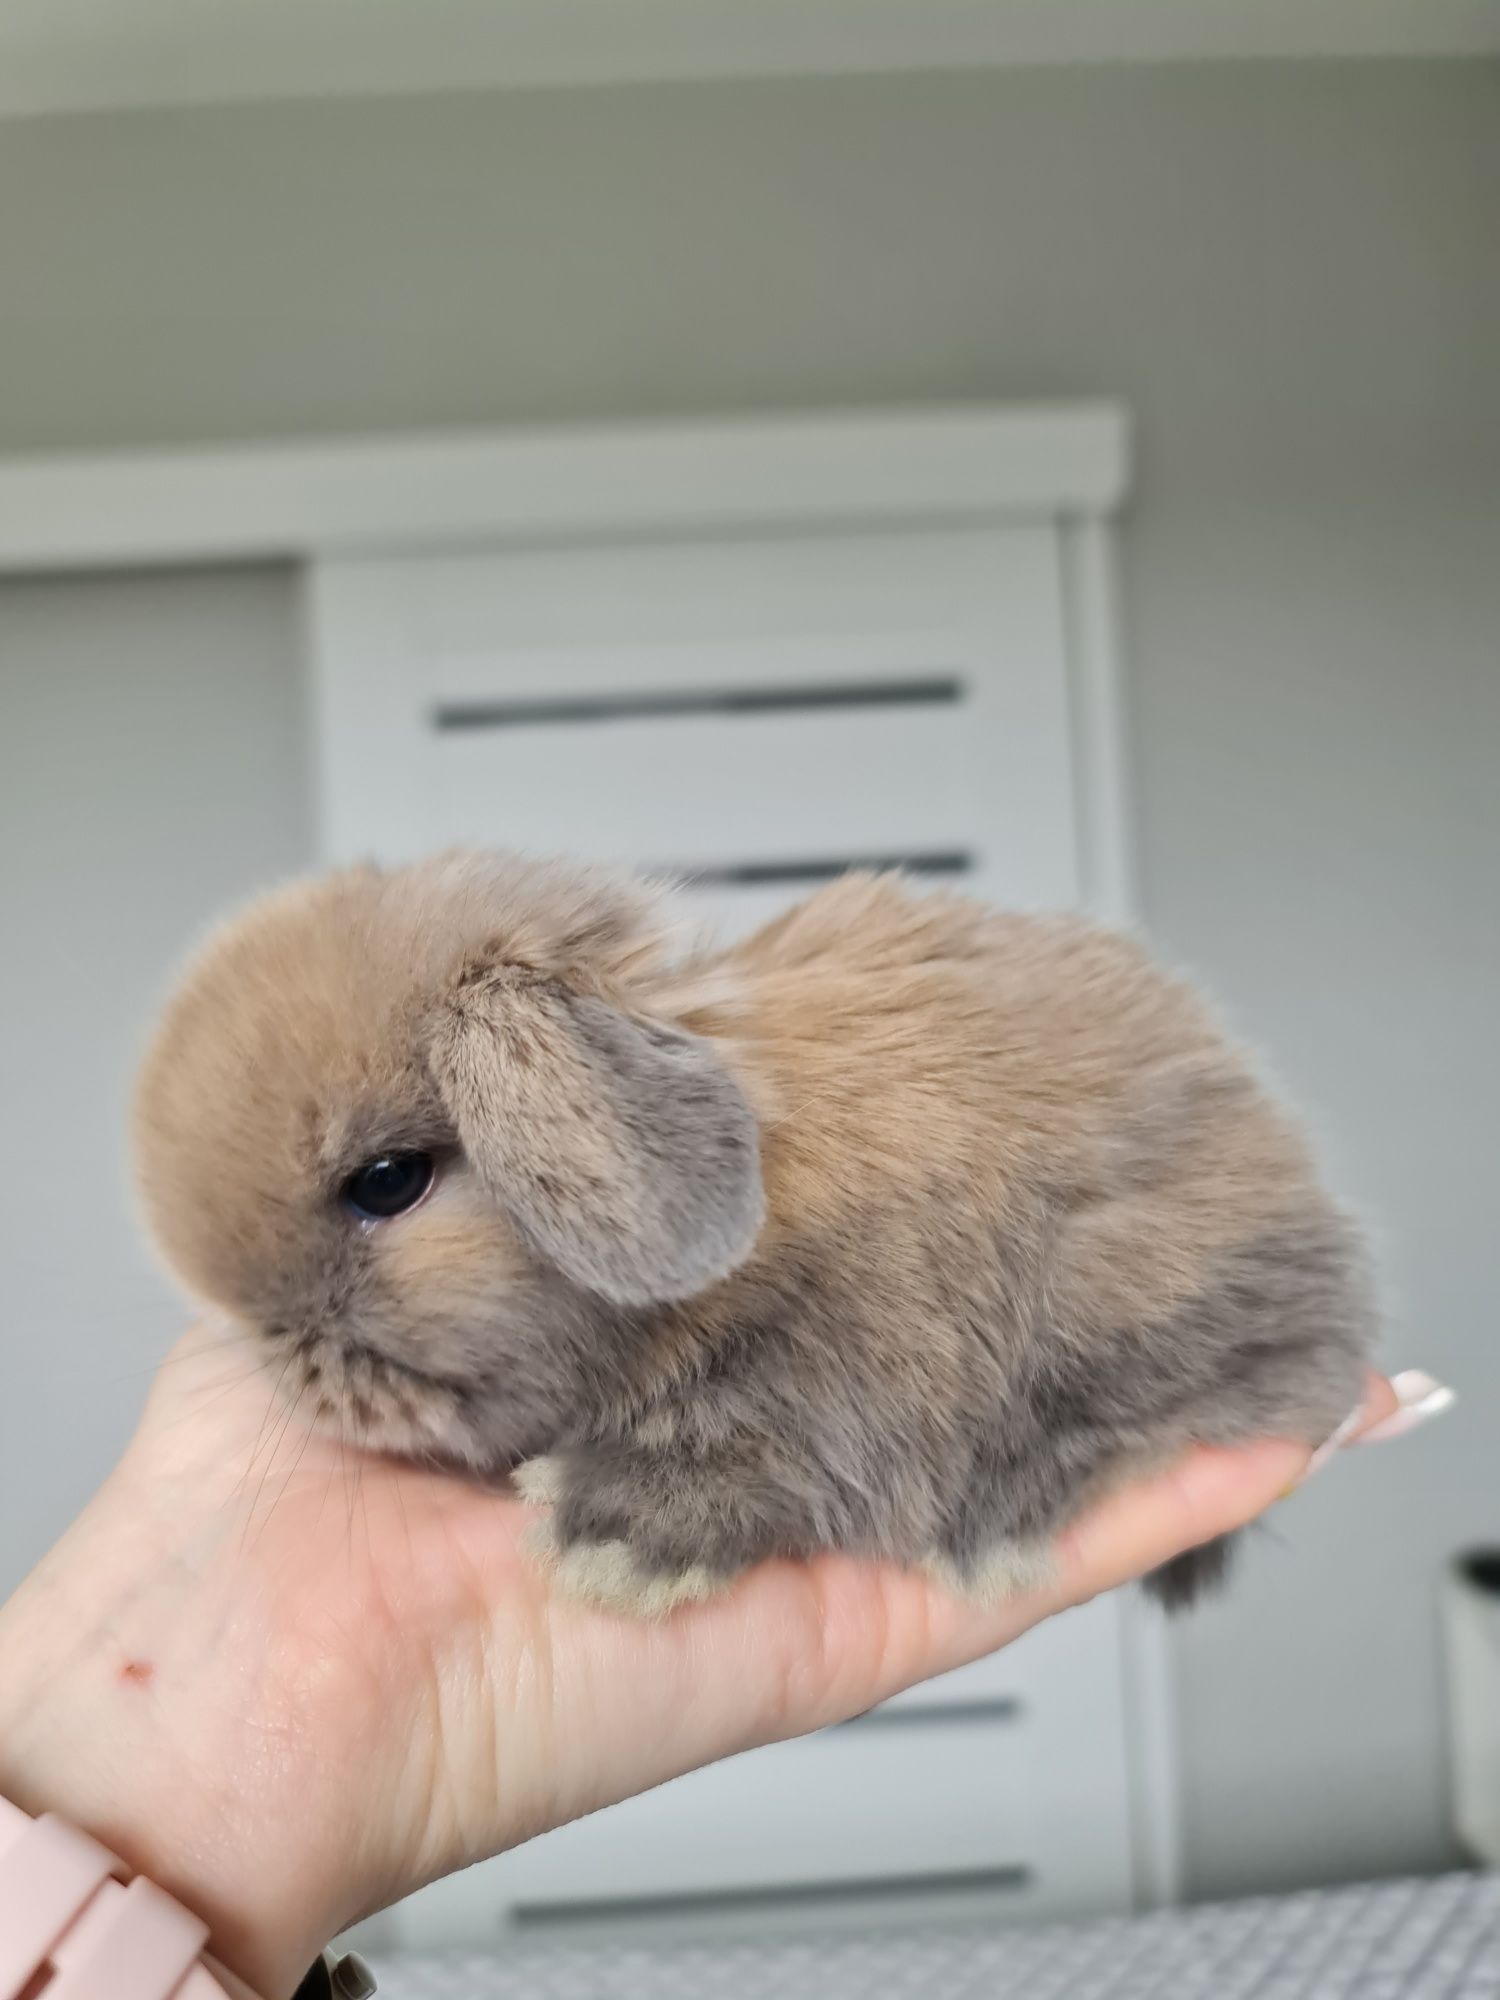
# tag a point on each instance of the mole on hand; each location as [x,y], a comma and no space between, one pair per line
[137,1673]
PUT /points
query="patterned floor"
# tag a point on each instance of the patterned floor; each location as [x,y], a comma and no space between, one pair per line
[1437,1940]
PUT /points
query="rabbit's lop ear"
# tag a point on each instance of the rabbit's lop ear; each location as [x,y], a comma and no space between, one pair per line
[622,1150]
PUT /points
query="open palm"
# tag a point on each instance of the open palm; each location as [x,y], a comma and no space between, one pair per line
[368,1684]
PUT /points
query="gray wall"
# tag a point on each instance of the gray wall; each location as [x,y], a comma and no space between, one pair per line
[1289,273]
[152,767]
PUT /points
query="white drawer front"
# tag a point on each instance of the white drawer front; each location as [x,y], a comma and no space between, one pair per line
[738,708]
[755,715]
[865,1803]
[716,789]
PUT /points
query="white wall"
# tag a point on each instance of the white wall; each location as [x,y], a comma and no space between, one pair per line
[152,767]
[1290,275]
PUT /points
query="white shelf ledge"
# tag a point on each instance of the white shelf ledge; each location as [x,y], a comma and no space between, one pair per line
[384,495]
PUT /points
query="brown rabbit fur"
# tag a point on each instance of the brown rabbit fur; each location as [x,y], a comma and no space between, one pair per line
[904,1227]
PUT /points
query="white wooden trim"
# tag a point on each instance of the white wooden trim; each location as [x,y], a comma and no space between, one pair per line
[1091,604]
[374,495]
[96,54]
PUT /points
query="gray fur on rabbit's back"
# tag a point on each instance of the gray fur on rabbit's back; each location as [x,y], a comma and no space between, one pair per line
[800,1435]
[1139,1258]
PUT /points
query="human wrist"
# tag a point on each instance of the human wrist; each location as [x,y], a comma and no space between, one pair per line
[113,1716]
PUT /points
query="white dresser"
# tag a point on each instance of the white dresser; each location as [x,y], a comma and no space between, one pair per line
[751,699]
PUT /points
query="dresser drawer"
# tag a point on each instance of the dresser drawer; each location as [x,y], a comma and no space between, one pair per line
[1067,1660]
[863,1803]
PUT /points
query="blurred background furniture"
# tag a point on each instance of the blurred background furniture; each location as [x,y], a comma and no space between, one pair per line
[1471,1607]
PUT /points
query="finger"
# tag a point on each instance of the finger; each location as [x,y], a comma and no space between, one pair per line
[1210,1492]
[1374,1409]
[1390,1409]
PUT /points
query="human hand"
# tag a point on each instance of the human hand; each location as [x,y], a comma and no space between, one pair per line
[293,1683]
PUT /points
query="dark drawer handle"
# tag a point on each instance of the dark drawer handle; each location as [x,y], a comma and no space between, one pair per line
[938,1714]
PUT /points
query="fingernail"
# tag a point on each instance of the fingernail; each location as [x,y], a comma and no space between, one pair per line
[1419,1397]
[1333,1444]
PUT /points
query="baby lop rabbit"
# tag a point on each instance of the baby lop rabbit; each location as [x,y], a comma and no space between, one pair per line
[904,1227]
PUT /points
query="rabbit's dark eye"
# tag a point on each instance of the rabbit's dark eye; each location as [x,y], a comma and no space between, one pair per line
[388,1186]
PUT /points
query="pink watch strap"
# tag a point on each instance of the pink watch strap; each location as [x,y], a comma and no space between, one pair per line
[64,1908]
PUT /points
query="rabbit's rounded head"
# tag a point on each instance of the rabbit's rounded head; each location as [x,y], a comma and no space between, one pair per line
[416,1131]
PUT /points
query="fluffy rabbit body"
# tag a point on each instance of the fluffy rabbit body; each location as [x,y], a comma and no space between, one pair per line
[904,1227]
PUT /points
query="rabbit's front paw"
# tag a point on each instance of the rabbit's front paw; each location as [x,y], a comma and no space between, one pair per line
[539,1481]
[638,1532]
[612,1577]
